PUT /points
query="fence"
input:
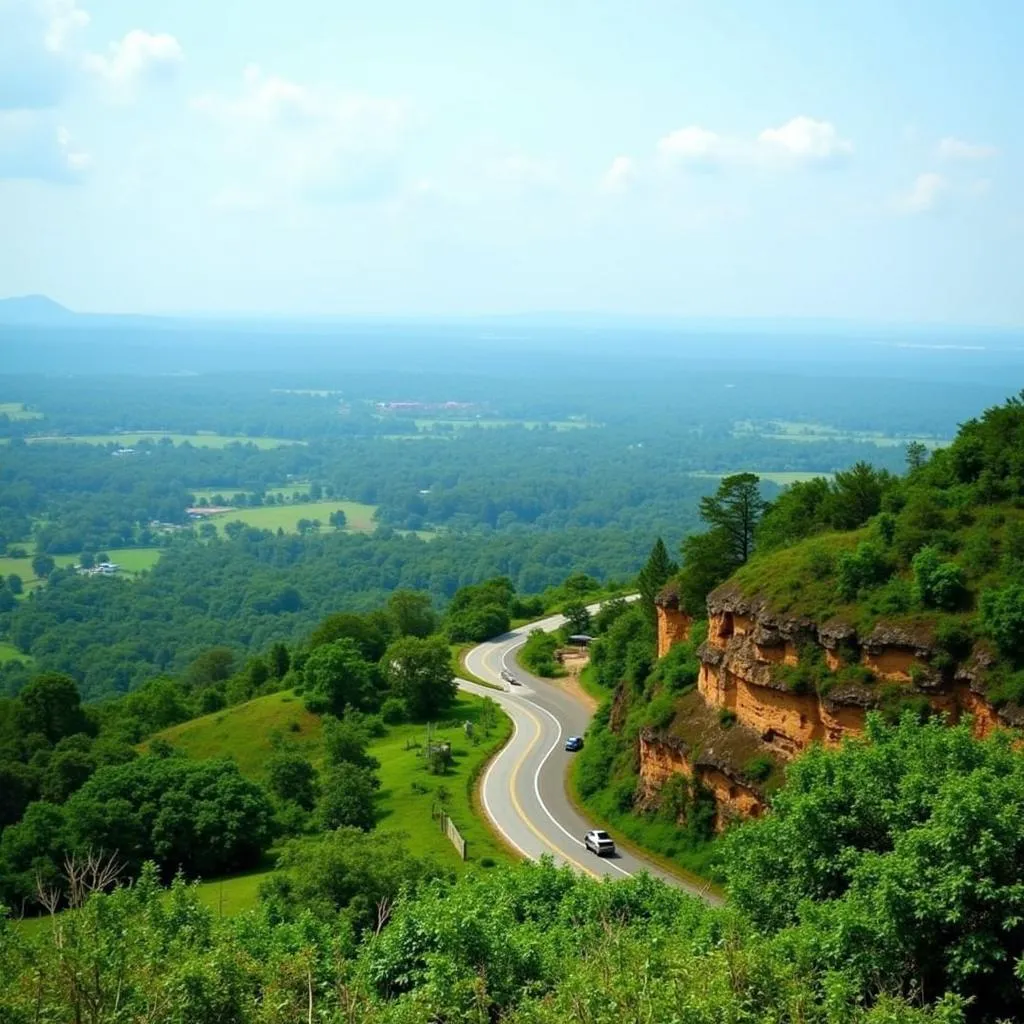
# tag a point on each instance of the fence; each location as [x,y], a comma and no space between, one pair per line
[449,828]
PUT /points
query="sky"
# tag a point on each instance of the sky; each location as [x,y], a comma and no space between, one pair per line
[693,158]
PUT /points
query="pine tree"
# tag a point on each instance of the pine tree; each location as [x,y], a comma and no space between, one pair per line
[657,571]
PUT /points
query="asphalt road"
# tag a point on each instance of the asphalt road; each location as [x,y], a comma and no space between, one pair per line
[524,787]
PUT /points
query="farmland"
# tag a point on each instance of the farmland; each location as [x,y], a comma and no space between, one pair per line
[131,560]
[17,411]
[800,432]
[139,438]
[781,477]
[286,517]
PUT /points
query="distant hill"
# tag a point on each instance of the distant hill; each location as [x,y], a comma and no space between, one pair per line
[34,309]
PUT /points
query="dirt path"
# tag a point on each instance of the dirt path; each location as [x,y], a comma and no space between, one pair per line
[574,662]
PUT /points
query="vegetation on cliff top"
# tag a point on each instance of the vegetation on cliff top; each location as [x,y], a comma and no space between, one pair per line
[937,555]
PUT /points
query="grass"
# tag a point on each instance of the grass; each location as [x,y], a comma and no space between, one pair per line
[651,839]
[782,478]
[286,517]
[17,411]
[591,687]
[790,430]
[131,560]
[8,652]
[247,732]
[225,896]
[133,439]
[228,491]
[404,805]
[459,669]
[560,425]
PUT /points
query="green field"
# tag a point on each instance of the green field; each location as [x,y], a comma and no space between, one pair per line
[227,491]
[429,424]
[790,430]
[8,652]
[286,517]
[247,734]
[131,560]
[17,411]
[783,479]
[133,440]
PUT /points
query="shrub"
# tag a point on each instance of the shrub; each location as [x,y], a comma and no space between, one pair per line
[660,711]
[758,768]
[1002,618]
[860,569]
[392,711]
[726,718]
[937,584]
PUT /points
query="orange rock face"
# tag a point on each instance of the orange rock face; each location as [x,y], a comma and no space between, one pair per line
[660,759]
[673,623]
[742,671]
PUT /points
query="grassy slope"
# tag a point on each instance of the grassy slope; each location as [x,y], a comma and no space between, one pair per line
[246,734]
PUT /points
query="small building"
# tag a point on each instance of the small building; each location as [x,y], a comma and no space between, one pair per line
[580,640]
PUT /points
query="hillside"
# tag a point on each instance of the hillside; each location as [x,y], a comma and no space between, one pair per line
[868,593]
[250,733]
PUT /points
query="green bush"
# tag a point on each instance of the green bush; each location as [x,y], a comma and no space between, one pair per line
[538,654]
[726,718]
[758,768]
[937,584]
[861,569]
[1002,618]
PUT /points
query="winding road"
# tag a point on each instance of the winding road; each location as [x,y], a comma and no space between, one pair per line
[524,788]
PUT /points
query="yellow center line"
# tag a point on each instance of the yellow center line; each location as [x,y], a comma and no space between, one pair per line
[518,807]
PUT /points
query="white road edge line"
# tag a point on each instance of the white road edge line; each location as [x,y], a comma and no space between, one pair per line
[511,649]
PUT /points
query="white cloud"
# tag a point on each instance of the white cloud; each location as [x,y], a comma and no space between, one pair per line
[518,172]
[927,191]
[697,147]
[138,57]
[37,62]
[956,149]
[32,146]
[806,141]
[282,138]
[620,176]
[801,141]
[63,19]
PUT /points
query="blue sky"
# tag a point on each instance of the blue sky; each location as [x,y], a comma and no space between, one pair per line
[720,158]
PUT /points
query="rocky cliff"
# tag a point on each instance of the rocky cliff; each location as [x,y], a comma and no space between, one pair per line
[787,682]
[673,623]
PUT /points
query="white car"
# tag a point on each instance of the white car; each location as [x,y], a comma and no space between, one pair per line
[508,677]
[598,841]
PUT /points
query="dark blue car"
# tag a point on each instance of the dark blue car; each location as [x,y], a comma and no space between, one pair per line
[574,743]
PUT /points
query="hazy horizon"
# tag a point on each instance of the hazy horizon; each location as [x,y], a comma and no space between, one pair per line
[667,160]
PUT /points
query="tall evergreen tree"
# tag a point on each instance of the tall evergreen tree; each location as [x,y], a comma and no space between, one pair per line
[657,571]
[736,509]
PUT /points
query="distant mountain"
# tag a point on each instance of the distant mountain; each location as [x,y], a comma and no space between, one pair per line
[34,309]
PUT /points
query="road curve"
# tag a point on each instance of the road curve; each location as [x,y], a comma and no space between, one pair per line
[524,788]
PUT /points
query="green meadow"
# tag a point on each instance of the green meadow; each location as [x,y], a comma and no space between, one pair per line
[131,560]
[17,411]
[286,517]
[783,479]
[134,440]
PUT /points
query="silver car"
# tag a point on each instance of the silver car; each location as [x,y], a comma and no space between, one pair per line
[598,841]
